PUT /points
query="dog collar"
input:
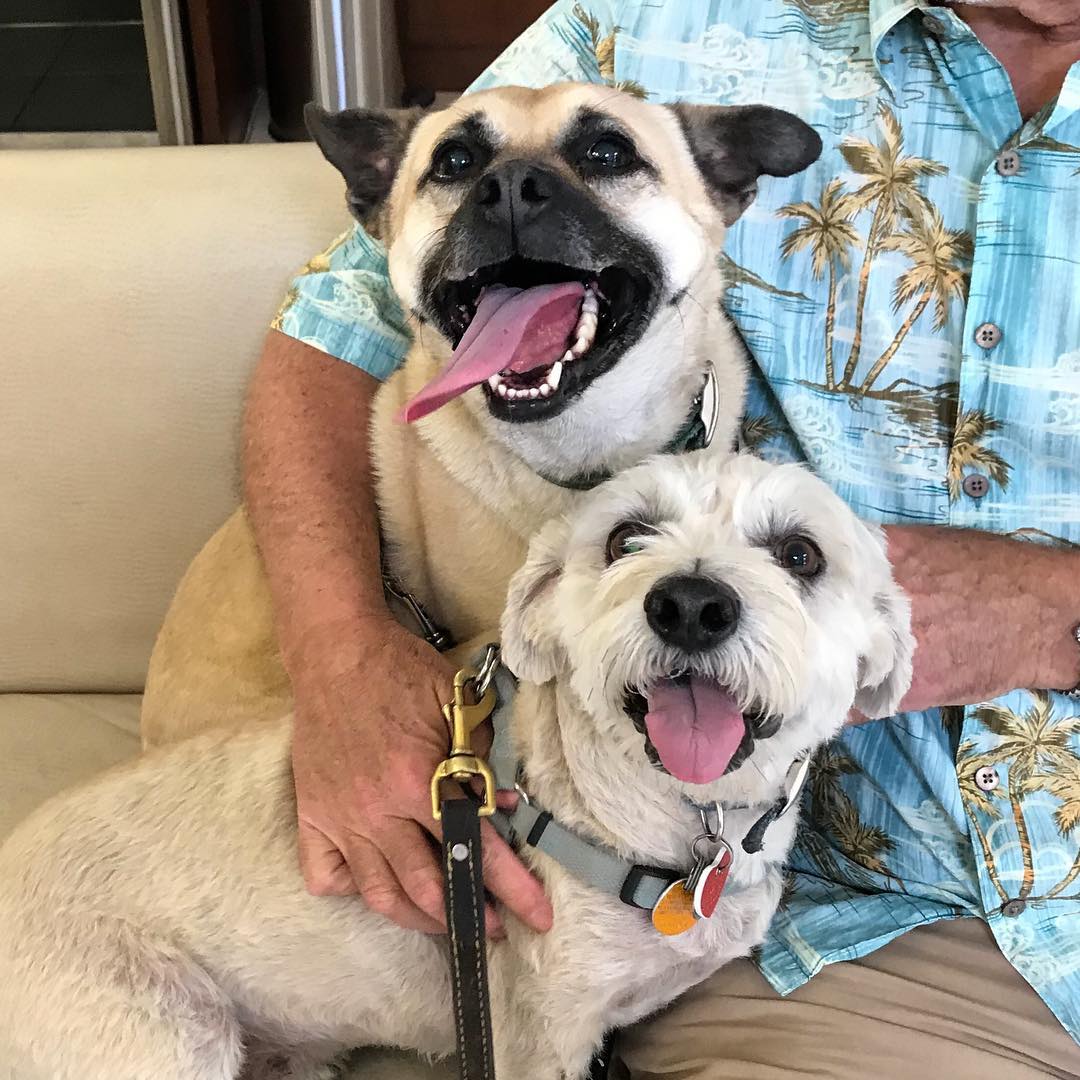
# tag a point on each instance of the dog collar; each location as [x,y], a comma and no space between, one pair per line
[695,434]
[635,884]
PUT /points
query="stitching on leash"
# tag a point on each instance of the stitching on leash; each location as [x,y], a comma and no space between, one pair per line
[478,914]
[457,970]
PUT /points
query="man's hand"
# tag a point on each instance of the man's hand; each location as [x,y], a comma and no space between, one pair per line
[368,735]
[369,728]
[989,614]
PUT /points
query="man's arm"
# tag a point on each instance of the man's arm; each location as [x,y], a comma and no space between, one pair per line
[368,728]
[990,614]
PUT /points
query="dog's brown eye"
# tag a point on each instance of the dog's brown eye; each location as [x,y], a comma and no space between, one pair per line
[611,154]
[627,539]
[800,556]
[451,161]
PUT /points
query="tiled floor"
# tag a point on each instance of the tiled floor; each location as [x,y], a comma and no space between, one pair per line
[74,78]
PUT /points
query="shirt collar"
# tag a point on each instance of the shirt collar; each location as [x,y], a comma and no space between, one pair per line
[886,14]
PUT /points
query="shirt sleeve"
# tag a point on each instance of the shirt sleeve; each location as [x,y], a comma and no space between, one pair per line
[341,302]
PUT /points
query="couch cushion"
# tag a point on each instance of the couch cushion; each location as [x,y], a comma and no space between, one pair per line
[50,741]
[137,287]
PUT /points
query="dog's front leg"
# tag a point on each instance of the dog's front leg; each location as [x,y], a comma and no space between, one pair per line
[539,1032]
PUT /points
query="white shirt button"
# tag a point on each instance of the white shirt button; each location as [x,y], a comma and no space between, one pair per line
[987,335]
[986,778]
[1007,163]
[975,485]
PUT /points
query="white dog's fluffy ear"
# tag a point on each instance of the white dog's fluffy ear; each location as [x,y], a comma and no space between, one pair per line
[885,666]
[529,645]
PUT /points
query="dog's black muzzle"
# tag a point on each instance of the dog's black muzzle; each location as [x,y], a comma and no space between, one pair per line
[523,223]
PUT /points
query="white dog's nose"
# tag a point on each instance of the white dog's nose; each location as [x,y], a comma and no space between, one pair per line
[692,612]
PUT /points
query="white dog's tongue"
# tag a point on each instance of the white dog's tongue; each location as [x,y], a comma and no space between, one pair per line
[696,727]
[512,330]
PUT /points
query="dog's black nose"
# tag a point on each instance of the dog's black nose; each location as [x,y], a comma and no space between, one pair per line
[515,192]
[692,612]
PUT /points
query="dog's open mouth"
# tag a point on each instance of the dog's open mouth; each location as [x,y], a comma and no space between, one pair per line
[533,334]
[694,727]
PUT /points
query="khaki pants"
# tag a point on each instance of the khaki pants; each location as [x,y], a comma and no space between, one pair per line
[939,1003]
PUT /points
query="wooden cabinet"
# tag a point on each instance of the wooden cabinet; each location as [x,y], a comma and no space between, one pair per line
[445,44]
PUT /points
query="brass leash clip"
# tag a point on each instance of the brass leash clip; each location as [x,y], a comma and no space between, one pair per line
[464,716]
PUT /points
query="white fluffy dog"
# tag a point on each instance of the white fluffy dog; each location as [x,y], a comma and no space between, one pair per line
[695,630]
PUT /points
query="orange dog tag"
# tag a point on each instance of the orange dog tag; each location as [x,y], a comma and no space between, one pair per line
[674,913]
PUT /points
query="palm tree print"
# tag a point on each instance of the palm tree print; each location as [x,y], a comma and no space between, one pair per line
[901,219]
[603,47]
[317,264]
[940,264]
[967,451]
[1062,780]
[834,815]
[976,801]
[828,233]
[1035,743]
[862,844]
[890,188]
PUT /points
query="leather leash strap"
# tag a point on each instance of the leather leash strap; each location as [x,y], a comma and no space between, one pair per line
[464,896]
[463,869]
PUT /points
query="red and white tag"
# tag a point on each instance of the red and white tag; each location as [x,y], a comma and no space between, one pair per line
[711,882]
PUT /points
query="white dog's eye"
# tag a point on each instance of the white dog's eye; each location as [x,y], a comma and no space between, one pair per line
[799,555]
[625,539]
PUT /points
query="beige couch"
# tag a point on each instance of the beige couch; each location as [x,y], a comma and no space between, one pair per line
[135,290]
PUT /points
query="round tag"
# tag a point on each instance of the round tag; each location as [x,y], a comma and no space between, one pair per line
[711,884]
[673,913]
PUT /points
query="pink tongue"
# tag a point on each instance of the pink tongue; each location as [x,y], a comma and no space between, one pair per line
[695,726]
[513,329]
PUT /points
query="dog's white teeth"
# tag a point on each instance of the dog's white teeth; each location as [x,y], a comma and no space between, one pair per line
[585,332]
[495,382]
[568,356]
[591,304]
[546,391]
[554,376]
[503,390]
[534,391]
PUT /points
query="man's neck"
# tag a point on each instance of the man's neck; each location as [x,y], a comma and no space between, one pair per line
[1036,41]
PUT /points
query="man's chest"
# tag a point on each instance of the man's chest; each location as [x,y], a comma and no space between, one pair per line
[912,301]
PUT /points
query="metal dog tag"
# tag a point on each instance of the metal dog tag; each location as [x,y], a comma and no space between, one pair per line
[710,883]
[673,913]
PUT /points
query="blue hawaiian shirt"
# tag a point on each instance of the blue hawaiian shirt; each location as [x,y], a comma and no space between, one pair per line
[912,303]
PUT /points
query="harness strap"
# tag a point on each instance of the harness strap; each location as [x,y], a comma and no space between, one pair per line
[633,883]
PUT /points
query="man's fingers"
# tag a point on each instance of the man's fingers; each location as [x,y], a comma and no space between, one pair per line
[323,866]
[380,889]
[511,882]
[418,869]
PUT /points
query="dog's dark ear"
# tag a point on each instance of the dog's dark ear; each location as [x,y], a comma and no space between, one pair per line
[885,663]
[734,145]
[366,146]
[530,644]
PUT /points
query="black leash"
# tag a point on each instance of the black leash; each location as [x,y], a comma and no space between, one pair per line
[463,885]
[464,897]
